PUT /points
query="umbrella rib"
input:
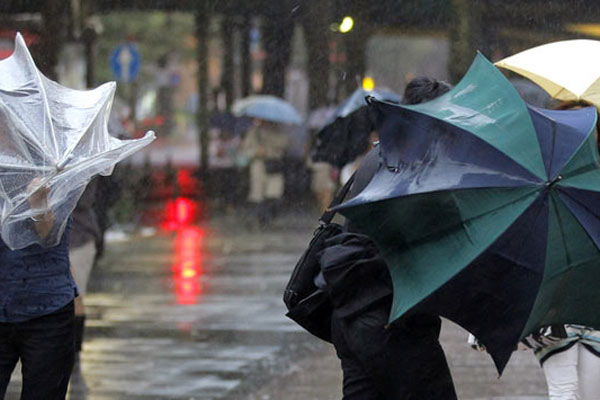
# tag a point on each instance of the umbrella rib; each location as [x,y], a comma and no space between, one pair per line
[69,151]
[105,153]
[56,172]
[28,167]
[46,107]
[566,193]
[560,227]
[22,47]
[85,131]
[553,147]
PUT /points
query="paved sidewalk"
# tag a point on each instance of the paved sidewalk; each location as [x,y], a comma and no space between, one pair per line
[475,378]
[196,314]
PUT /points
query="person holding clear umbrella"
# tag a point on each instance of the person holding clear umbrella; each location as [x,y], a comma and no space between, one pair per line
[54,140]
[36,310]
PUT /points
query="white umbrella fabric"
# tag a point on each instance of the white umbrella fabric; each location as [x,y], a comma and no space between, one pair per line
[53,140]
[567,70]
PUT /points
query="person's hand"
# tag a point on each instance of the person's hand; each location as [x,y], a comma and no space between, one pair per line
[39,198]
[522,347]
[38,201]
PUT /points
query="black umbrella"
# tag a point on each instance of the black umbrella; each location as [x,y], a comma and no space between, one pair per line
[346,135]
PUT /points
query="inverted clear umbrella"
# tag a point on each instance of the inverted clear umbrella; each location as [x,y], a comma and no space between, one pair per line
[53,140]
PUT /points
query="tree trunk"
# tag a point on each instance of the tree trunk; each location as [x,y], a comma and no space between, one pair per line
[355,44]
[202,21]
[316,29]
[278,29]
[469,33]
[54,15]
[227,80]
[246,73]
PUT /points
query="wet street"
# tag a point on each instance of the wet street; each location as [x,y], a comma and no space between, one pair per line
[196,313]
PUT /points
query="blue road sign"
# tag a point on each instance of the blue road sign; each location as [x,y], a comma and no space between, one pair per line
[125,62]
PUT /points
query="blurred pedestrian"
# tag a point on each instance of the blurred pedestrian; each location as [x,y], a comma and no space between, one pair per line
[85,234]
[265,145]
[322,183]
[222,151]
[401,360]
[360,121]
[323,175]
[108,192]
[36,311]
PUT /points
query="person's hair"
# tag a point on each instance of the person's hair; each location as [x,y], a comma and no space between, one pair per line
[423,89]
[570,104]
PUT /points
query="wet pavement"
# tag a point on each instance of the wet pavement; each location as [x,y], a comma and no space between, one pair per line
[196,313]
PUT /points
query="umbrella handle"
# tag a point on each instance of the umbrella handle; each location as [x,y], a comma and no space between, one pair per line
[61,165]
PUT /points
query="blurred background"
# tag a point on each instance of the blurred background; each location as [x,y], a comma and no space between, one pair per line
[186,300]
[180,65]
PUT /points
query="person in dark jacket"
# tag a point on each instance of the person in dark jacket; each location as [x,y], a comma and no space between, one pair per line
[402,360]
[36,312]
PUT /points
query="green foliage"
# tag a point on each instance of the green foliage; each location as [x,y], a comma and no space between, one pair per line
[155,33]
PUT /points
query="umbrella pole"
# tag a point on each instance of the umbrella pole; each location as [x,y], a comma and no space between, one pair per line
[202,19]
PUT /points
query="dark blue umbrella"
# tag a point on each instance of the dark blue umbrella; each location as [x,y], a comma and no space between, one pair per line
[487,210]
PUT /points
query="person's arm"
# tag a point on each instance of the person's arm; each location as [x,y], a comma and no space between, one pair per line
[43,217]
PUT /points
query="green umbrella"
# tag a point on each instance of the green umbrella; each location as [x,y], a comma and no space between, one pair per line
[486,210]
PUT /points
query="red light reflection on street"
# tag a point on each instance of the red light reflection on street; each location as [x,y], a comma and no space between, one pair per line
[186,181]
[187,270]
[179,212]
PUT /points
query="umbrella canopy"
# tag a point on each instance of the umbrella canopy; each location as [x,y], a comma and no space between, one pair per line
[268,108]
[53,140]
[487,210]
[345,135]
[567,70]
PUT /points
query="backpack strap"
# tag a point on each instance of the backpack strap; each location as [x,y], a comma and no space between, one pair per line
[329,213]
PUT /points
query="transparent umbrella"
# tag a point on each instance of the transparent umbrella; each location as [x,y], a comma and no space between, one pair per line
[53,140]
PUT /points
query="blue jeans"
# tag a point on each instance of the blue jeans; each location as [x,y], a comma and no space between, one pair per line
[45,346]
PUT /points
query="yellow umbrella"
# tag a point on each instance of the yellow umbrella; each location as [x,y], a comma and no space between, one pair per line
[567,70]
